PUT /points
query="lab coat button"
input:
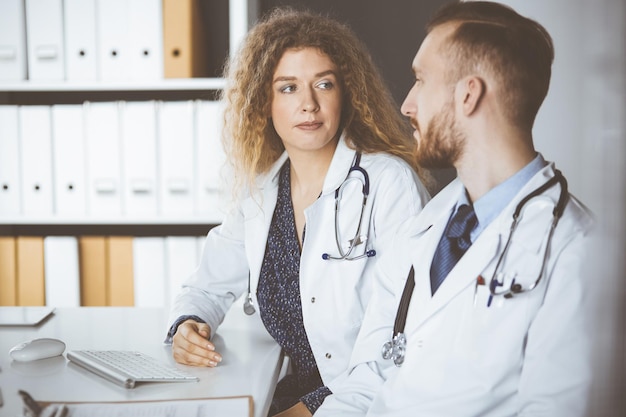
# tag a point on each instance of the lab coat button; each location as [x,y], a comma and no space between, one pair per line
[312,299]
[328,356]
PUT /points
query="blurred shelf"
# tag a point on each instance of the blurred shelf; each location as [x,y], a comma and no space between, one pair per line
[186,84]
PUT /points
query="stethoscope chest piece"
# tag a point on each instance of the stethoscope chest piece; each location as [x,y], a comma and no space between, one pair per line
[248,305]
[395,349]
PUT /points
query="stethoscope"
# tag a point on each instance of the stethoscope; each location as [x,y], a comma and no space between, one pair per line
[248,305]
[395,348]
[357,239]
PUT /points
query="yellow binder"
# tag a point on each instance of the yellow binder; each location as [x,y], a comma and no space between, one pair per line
[8,272]
[30,271]
[185,43]
[93,270]
[120,271]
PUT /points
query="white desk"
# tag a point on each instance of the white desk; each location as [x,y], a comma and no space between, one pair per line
[250,366]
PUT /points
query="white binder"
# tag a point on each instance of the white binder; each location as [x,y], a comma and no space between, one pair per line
[61,271]
[146,39]
[176,157]
[181,261]
[68,160]
[210,159]
[9,162]
[12,40]
[139,151]
[36,159]
[80,40]
[44,40]
[103,159]
[149,271]
[112,38]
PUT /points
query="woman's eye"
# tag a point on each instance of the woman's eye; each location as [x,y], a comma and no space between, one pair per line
[288,89]
[325,85]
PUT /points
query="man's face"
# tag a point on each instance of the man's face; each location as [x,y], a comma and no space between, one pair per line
[430,105]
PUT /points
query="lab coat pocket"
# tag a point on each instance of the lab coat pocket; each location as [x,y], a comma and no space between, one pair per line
[497,325]
[493,331]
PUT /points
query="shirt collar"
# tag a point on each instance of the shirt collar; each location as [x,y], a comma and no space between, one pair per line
[490,205]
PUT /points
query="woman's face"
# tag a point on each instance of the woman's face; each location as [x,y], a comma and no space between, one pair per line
[306,101]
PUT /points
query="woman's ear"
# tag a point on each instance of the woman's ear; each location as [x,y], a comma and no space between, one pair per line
[472,90]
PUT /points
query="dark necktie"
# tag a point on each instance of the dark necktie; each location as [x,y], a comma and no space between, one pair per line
[453,244]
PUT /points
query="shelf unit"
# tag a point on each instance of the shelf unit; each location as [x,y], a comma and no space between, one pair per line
[241,13]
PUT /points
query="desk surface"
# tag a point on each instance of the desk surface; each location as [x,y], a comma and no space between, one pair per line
[250,366]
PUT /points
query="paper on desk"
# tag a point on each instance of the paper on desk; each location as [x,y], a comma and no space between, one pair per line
[209,407]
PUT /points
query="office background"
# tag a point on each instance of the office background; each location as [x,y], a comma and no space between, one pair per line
[581,125]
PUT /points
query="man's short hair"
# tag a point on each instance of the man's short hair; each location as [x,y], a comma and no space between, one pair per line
[493,39]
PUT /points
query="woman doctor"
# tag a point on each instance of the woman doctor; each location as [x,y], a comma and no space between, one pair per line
[308,122]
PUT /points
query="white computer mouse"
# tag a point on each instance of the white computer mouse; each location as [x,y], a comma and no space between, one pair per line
[37,349]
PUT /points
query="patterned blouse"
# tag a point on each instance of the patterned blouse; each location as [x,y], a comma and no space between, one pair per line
[280,307]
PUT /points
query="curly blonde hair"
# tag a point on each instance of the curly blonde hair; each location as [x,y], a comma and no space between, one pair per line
[370,117]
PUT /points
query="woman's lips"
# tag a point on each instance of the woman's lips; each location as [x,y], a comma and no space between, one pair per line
[309,125]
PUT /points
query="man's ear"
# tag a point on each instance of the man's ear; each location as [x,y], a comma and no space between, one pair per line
[472,90]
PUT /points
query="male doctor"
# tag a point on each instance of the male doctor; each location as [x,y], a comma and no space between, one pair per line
[496,324]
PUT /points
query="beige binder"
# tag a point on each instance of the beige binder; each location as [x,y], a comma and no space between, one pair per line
[185,43]
[30,271]
[8,272]
[120,286]
[93,270]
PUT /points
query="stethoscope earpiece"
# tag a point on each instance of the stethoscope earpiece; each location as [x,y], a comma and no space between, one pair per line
[368,254]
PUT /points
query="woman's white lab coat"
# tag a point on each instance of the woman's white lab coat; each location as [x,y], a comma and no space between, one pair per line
[334,293]
[527,355]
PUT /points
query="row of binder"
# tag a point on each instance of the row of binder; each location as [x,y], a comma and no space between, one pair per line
[112,160]
[69,271]
[101,40]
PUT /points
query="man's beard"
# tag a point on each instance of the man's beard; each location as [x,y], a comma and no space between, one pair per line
[441,144]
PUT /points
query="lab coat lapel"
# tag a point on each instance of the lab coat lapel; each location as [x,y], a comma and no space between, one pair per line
[467,270]
[478,258]
[257,213]
[339,166]
[435,217]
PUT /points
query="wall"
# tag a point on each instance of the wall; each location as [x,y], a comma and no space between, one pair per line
[581,127]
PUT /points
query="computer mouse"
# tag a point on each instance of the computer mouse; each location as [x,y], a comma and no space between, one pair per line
[37,349]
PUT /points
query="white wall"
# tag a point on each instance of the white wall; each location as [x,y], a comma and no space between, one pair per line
[581,126]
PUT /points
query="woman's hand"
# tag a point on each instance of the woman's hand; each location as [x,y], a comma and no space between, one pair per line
[191,345]
[298,410]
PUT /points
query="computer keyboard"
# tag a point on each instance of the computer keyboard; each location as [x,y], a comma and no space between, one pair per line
[126,368]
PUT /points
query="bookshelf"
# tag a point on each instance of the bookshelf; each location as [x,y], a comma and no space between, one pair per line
[227,22]
[43,250]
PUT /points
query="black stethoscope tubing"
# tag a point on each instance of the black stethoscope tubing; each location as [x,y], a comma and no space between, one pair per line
[248,305]
[356,166]
[407,293]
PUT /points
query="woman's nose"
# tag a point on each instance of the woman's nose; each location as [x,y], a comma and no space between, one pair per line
[310,103]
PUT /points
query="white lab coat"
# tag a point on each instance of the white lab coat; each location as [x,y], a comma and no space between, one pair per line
[334,293]
[528,355]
